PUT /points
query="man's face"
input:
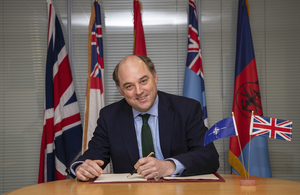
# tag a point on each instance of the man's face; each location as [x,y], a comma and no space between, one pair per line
[137,84]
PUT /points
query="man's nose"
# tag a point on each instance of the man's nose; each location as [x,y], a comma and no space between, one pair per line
[138,90]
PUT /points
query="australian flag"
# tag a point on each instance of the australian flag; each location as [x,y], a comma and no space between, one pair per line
[62,131]
[272,128]
[194,79]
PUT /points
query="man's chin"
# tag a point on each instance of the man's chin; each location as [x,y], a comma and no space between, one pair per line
[142,108]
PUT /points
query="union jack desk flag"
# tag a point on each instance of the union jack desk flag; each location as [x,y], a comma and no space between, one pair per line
[272,128]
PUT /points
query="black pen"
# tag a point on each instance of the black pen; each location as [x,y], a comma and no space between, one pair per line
[135,170]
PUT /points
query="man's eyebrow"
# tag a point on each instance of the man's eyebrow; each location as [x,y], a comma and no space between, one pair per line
[144,77]
[124,85]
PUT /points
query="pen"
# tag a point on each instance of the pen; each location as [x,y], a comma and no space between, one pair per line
[134,171]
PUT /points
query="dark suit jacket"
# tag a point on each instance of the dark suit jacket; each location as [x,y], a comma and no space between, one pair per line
[181,131]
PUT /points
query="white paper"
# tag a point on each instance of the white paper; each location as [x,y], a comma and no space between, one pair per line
[206,176]
[119,177]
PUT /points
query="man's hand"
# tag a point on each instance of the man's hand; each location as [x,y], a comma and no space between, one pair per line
[89,170]
[150,167]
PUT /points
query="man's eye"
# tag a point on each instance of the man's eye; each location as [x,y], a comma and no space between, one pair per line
[128,87]
[144,81]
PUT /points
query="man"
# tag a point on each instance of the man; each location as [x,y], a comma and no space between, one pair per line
[176,125]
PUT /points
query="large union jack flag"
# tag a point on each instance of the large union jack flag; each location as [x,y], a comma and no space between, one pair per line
[272,128]
[62,131]
[194,79]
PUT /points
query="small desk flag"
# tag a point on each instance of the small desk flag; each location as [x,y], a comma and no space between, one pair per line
[272,128]
[222,129]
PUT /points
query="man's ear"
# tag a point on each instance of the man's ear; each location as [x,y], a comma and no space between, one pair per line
[156,78]
[120,90]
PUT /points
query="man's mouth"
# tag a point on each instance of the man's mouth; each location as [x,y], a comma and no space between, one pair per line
[142,98]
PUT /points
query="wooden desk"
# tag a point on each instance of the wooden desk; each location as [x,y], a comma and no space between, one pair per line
[230,187]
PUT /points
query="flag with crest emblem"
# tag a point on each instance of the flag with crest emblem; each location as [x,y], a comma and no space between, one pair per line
[246,99]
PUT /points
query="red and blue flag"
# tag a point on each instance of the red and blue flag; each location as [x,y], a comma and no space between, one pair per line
[246,99]
[62,131]
[272,128]
[194,79]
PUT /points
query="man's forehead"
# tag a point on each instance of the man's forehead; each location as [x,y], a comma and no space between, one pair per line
[133,65]
[131,59]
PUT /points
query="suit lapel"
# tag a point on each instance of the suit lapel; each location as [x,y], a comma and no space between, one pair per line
[166,117]
[128,131]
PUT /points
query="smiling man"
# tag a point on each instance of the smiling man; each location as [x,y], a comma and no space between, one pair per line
[136,82]
[175,125]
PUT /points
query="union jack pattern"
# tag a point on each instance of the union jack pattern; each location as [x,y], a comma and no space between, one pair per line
[97,65]
[62,131]
[194,59]
[194,78]
[272,128]
[94,90]
[95,82]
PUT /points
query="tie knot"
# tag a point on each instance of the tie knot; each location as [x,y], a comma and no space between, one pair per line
[145,117]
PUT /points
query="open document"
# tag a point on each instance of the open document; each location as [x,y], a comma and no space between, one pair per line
[122,178]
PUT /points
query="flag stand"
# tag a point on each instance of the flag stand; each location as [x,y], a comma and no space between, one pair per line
[247,181]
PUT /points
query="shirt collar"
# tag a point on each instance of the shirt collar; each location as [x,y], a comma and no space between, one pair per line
[152,111]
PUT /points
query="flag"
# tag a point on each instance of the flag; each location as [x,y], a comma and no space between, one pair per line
[272,128]
[62,131]
[222,129]
[247,99]
[95,82]
[139,46]
[94,88]
[194,80]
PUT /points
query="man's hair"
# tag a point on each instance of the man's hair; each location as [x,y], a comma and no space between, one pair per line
[145,59]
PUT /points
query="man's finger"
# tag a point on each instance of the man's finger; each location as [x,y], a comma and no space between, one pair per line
[89,169]
[143,161]
[99,162]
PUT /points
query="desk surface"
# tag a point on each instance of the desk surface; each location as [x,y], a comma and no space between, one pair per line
[231,186]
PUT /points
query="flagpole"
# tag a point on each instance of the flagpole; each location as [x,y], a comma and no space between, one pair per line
[251,125]
[249,182]
[241,151]
[87,99]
